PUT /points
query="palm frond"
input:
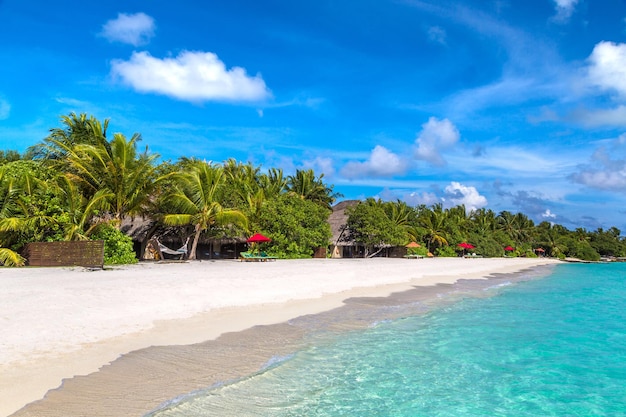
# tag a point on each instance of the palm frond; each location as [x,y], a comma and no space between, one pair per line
[11,258]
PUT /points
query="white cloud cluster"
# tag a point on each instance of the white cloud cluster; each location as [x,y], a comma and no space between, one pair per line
[134,29]
[5,109]
[191,76]
[436,136]
[604,172]
[381,163]
[548,214]
[416,198]
[321,165]
[607,67]
[564,9]
[457,194]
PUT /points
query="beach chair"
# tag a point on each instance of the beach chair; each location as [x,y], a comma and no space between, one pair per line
[246,257]
[251,257]
[265,257]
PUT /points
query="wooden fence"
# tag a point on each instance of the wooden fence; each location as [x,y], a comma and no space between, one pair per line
[87,253]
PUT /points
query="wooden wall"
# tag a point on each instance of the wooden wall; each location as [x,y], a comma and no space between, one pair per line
[87,253]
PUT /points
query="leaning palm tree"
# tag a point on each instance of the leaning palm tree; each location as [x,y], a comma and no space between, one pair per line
[198,201]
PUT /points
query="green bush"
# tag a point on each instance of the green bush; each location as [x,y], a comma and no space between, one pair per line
[118,248]
[421,251]
[297,226]
[446,252]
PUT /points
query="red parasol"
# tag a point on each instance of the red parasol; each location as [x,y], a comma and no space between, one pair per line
[509,248]
[466,245]
[258,238]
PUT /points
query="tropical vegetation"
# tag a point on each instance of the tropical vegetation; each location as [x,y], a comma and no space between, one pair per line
[80,183]
[376,224]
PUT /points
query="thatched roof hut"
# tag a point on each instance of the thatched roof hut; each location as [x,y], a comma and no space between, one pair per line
[338,220]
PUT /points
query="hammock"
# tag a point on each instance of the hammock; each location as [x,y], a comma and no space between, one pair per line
[180,251]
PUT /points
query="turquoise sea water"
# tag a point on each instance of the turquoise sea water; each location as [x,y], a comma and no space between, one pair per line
[554,346]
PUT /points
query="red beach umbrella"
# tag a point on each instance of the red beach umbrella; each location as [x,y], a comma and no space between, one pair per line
[466,245]
[509,248]
[258,238]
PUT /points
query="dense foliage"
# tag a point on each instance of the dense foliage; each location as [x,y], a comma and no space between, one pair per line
[118,247]
[80,184]
[297,226]
[374,223]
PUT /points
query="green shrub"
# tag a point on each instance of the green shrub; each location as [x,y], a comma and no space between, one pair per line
[118,248]
[446,252]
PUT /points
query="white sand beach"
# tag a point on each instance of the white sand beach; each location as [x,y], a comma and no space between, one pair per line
[56,323]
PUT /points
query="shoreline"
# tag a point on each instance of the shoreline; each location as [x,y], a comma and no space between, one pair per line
[183,307]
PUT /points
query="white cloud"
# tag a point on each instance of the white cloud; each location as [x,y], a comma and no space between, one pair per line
[5,109]
[437,34]
[321,165]
[134,29]
[548,214]
[457,194]
[191,76]
[436,135]
[607,69]
[615,117]
[605,171]
[564,9]
[415,198]
[603,179]
[381,163]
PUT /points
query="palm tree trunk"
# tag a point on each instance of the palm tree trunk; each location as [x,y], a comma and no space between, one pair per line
[194,245]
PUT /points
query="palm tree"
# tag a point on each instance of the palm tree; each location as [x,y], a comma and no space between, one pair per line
[77,130]
[484,221]
[129,178]
[273,182]
[433,221]
[400,215]
[80,149]
[198,201]
[309,187]
[10,219]
[82,213]
[458,222]
[506,224]
[523,228]
[22,216]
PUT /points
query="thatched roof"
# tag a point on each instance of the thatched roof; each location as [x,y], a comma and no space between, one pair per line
[338,219]
[139,227]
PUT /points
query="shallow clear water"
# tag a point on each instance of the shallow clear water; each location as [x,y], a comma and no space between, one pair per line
[547,347]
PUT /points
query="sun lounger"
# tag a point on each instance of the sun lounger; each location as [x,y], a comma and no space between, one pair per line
[248,257]
[413,256]
[266,257]
[251,257]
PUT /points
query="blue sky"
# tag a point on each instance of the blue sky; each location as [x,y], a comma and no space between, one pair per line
[515,105]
